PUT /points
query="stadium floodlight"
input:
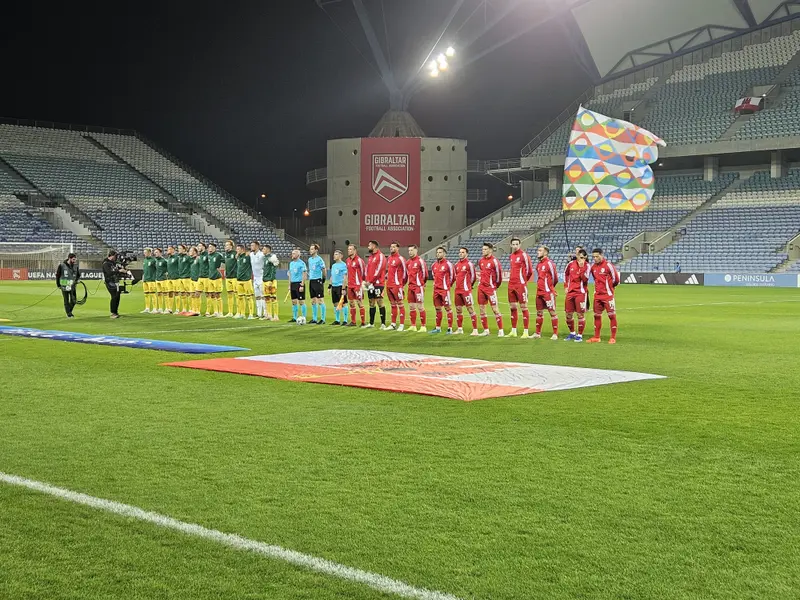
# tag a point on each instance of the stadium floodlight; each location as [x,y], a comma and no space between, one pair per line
[434,72]
[450,52]
[433,66]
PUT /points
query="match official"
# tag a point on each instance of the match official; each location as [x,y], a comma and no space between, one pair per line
[67,276]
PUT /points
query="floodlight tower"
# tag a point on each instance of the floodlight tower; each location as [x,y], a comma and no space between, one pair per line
[469,30]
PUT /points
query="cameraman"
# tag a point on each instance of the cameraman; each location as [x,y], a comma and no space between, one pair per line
[67,277]
[112,273]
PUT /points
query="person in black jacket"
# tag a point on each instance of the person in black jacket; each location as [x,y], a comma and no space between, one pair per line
[111,275]
[67,277]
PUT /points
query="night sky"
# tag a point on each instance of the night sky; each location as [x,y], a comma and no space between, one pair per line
[249,92]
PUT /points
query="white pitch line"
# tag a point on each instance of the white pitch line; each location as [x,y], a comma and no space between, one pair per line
[377,582]
[706,304]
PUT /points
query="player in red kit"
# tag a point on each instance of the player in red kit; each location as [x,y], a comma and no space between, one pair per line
[576,281]
[465,279]
[396,277]
[546,280]
[417,275]
[490,279]
[376,272]
[356,271]
[521,274]
[606,278]
[443,276]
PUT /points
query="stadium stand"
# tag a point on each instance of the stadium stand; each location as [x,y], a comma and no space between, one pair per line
[122,190]
[675,114]
[675,198]
[524,219]
[745,231]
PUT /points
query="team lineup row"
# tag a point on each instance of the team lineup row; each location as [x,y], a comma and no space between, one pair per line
[177,281]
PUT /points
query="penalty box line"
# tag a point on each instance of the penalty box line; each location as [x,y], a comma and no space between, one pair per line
[375,581]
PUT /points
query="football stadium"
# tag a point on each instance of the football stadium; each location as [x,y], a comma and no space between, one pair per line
[202,399]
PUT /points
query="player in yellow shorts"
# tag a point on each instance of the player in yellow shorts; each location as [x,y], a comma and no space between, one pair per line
[202,254]
[149,281]
[184,283]
[270,283]
[230,276]
[214,285]
[162,281]
[244,283]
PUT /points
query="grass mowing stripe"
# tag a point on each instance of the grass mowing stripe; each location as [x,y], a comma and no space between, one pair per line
[378,582]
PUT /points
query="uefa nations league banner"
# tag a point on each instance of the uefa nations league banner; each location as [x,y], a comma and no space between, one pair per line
[390,190]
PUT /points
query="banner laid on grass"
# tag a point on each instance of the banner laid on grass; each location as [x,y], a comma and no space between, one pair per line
[111,340]
[445,376]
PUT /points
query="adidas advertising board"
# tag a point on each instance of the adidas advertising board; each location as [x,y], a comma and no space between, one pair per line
[664,278]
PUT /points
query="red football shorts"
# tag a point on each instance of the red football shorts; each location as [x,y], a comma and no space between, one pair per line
[487,296]
[517,294]
[355,293]
[575,303]
[463,298]
[441,298]
[395,295]
[416,294]
[546,301]
[607,305]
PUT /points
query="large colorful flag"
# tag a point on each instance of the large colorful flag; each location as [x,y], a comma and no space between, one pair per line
[608,164]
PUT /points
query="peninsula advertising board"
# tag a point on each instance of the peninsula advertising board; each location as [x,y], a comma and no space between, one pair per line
[390,190]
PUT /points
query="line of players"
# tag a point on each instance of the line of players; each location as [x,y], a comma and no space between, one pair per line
[175,282]
[387,277]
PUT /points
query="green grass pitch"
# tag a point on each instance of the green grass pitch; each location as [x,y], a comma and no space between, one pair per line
[687,487]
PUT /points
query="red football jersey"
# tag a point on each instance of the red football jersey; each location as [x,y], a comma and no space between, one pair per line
[465,275]
[376,268]
[606,278]
[443,274]
[356,271]
[417,271]
[396,275]
[576,277]
[547,276]
[521,268]
[491,273]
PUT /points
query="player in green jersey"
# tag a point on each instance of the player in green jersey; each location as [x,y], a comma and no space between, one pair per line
[214,291]
[172,274]
[202,254]
[162,283]
[271,283]
[245,294]
[149,281]
[184,278]
[230,276]
[194,274]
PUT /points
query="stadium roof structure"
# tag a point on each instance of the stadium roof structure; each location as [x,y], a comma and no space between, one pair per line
[401,39]
[624,35]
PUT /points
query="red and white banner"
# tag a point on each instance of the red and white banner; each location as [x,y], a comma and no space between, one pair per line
[449,377]
[390,190]
[749,104]
[13,274]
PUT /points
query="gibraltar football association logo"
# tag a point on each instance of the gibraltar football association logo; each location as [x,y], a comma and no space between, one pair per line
[390,175]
